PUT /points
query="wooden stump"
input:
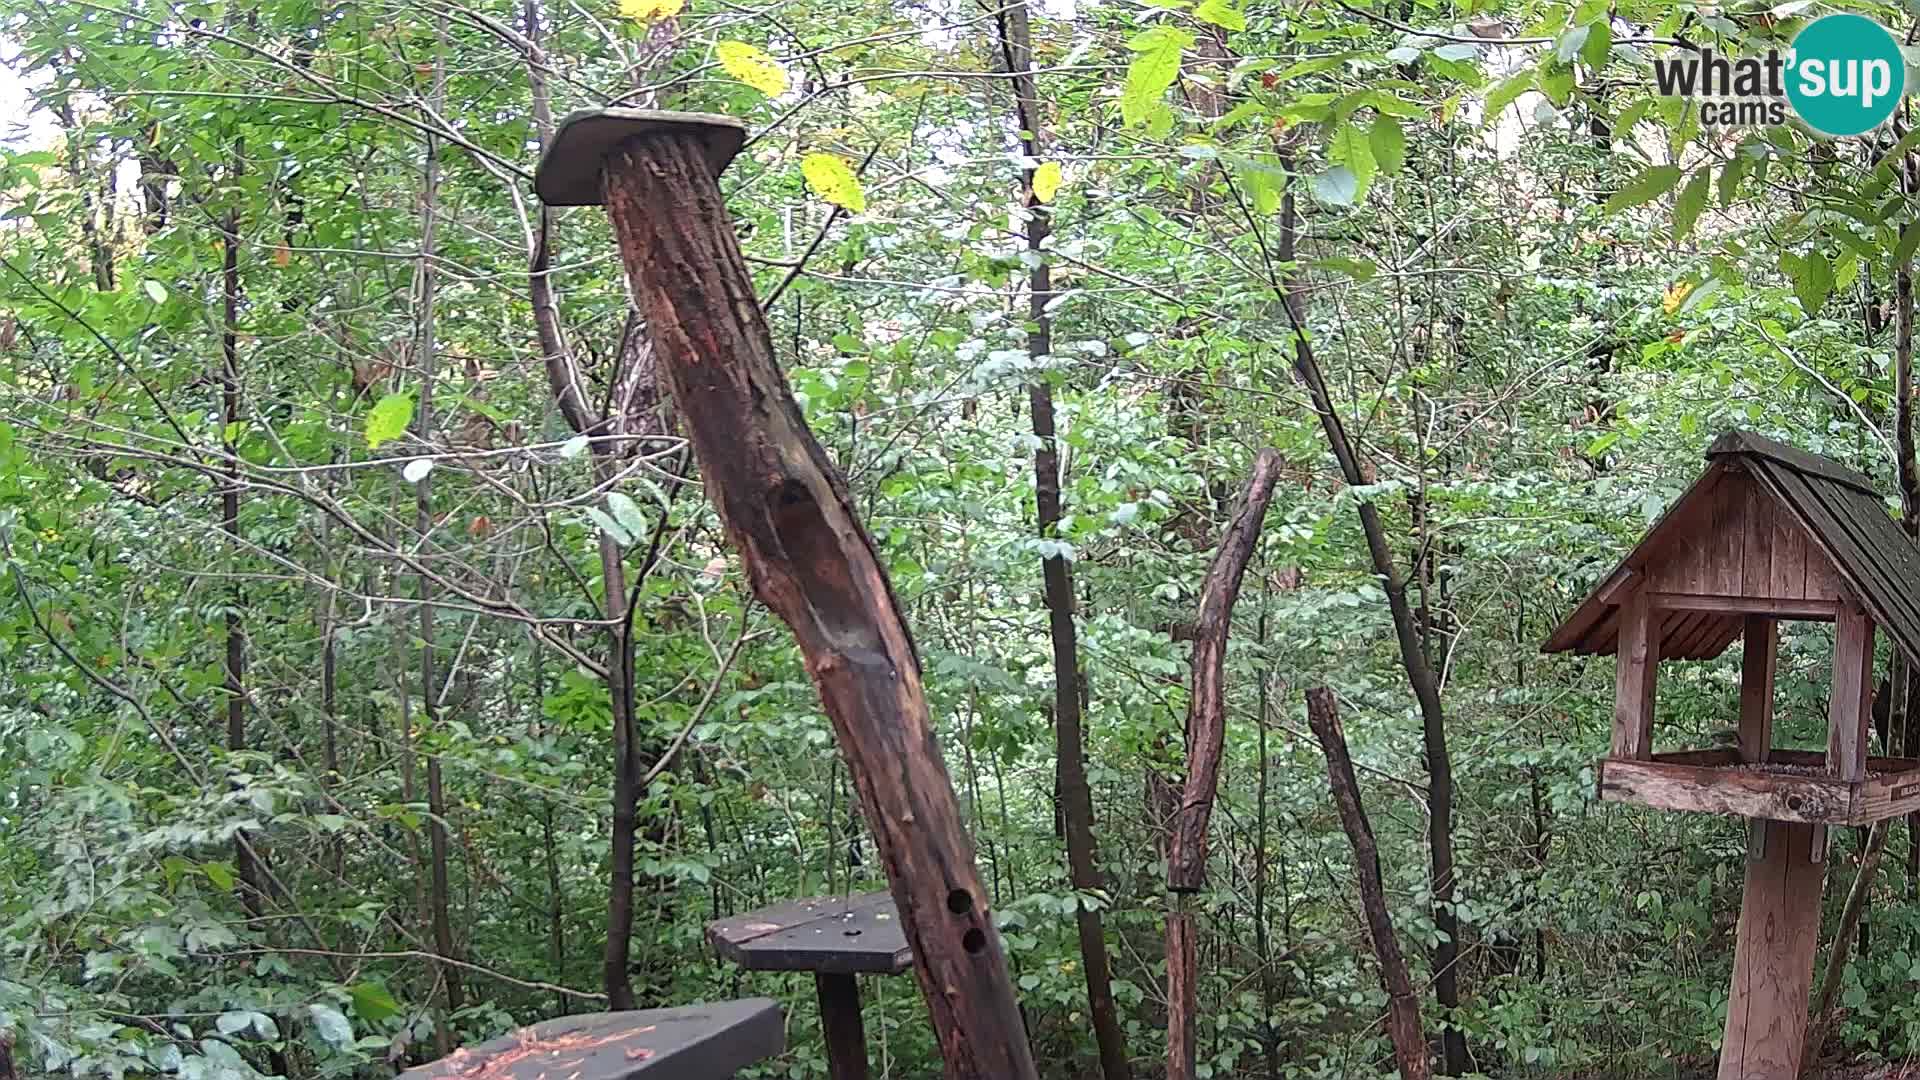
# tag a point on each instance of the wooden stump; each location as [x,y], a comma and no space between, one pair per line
[787,511]
[1773,958]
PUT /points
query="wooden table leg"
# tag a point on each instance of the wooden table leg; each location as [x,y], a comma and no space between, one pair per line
[840,1022]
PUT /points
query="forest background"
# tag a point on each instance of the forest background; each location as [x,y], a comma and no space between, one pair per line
[374,677]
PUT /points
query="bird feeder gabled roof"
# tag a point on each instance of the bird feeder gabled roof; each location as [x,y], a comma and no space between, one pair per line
[1764,521]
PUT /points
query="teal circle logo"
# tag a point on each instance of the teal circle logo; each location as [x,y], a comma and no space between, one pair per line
[1845,74]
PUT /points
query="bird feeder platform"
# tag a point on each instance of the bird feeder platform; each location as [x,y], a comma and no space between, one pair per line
[693,1042]
[836,938]
[1791,785]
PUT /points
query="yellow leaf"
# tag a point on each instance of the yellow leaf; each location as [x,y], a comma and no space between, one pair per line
[1676,295]
[751,66]
[1046,181]
[651,10]
[832,180]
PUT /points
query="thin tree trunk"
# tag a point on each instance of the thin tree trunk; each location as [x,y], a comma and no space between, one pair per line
[1075,799]
[1262,936]
[1206,741]
[571,396]
[1908,721]
[1909,482]
[1206,704]
[426,356]
[1403,1007]
[615,975]
[1413,659]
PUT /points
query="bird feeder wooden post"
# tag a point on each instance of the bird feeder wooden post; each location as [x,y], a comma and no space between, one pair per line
[808,557]
[1768,532]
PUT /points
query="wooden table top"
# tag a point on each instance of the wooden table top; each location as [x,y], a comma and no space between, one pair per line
[841,935]
[693,1042]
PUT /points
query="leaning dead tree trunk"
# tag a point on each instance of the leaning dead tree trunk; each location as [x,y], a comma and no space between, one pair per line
[788,512]
[1403,1007]
[1206,740]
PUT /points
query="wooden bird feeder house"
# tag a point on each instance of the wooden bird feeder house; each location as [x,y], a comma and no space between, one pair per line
[1768,532]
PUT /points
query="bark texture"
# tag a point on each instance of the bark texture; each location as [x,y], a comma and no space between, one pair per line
[1207,703]
[1206,738]
[1403,1007]
[787,510]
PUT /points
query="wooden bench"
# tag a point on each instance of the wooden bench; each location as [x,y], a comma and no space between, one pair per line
[691,1042]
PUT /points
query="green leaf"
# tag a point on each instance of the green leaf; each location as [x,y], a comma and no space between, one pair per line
[1648,186]
[1335,187]
[1812,281]
[220,874]
[155,291]
[1389,144]
[1352,148]
[627,513]
[1314,66]
[1699,295]
[388,419]
[1909,239]
[1897,151]
[1730,176]
[1151,72]
[332,1026]
[1599,44]
[1506,94]
[1692,200]
[1264,180]
[372,1002]
[609,526]
[1631,115]
[1391,105]
[1557,85]
[1357,269]
[1570,44]
[1220,13]
[833,180]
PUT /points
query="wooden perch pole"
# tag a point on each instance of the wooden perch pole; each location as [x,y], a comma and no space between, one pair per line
[1206,739]
[1403,1007]
[810,560]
